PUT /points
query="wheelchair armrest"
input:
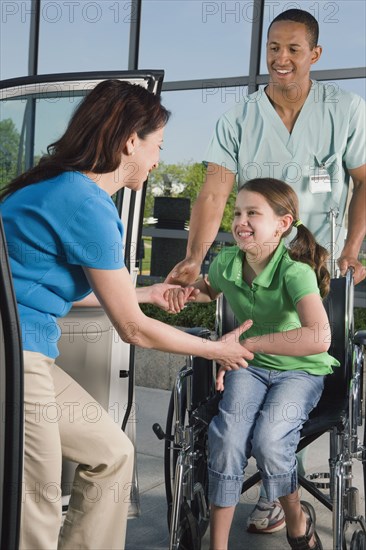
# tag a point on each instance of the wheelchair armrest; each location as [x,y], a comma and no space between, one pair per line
[360,337]
[206,411]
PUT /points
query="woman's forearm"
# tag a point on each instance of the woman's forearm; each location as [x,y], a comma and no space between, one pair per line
[152,334]
[89,301]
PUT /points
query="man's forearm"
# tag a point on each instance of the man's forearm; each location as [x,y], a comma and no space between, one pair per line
[208,210]
[204,225]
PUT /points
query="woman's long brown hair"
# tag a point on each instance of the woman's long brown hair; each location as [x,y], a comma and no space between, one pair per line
[97,132]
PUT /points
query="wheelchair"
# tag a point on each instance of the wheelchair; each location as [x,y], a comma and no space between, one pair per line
[194,402]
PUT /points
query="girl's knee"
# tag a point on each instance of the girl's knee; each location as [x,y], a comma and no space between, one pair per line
[268,452]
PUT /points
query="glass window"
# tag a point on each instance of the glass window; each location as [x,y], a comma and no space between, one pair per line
[194,115]
[14,136]
[14,38]
[84,35]
[11,132]
[186,137]
[191,39]
[59,111]
[357,85]
[338,20]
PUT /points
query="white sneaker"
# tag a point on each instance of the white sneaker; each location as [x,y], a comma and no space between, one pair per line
[266,517]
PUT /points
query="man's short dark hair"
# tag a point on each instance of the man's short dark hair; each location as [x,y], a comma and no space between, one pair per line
[304,17]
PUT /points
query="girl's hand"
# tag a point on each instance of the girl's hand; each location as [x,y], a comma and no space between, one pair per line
[158,294]
[220,378]
[178,297]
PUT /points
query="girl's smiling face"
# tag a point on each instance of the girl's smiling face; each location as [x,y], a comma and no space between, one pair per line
[256,228]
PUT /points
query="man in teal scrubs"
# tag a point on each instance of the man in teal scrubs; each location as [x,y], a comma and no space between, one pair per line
[314,166]
[309,134]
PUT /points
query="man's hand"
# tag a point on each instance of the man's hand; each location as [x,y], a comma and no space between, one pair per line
[345,262]
[185,272]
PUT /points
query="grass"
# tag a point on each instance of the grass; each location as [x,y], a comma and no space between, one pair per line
[203,315]
[360,318]
[146,260]
[193,315]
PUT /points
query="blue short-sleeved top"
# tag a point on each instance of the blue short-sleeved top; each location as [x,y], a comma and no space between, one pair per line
[53,228]
[270,302]
[251,141]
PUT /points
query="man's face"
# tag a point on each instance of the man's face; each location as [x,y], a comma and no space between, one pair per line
[289,56]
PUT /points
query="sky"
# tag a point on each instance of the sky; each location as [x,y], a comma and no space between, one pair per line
[189,39]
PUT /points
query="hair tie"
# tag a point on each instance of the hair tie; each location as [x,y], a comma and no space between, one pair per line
[297,223]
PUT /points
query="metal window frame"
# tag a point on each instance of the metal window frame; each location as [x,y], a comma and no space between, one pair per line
[253,80]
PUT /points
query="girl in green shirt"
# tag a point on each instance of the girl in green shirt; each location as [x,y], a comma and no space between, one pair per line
[265,405]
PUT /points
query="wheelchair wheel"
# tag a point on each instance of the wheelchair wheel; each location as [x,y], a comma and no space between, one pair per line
[170,451]
[191,510]
[358,541]
[189,535]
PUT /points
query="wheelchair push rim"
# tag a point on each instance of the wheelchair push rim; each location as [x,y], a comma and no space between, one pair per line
[193,521]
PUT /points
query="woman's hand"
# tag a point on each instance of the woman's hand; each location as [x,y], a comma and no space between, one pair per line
[165,296]
[224,367]
[116,293]
[234,354]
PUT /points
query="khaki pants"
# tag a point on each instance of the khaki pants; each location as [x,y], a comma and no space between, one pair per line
[62,419]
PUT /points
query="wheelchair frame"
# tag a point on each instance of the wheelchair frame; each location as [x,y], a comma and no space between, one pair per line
[339,412]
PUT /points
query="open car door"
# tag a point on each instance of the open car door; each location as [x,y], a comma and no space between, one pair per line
[11,403]
[34,112]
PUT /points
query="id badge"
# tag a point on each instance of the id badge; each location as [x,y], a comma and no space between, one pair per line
[319,180]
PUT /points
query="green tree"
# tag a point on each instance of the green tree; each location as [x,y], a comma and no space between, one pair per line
[9,142]
[186,181]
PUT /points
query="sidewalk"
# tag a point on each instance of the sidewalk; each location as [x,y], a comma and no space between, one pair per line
[150,532]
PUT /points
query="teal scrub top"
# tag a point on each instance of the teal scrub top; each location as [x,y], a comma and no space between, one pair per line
[251,141]
[270,302]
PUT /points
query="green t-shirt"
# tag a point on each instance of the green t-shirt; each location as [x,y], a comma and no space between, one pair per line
[270,302]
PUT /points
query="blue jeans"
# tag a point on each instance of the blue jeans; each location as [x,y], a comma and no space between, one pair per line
[261,414]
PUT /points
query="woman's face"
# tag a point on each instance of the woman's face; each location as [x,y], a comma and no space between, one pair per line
[142,159]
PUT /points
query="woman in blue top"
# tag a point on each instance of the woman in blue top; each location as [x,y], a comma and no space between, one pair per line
[64,239]
[265,405]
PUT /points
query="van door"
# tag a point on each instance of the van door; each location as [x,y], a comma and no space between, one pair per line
[34,112]
[11,406]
